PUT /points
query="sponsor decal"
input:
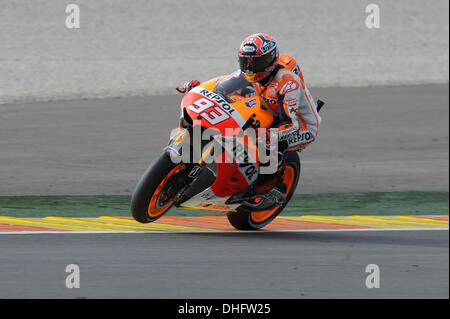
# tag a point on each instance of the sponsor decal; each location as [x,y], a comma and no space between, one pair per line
[266,45]
[291,103]
[293,110]
[251,40]
[240,153]
[251,122]
[213,206]
[249,171]
[299,137]
[194,172]
[248,168]
[288,129]
[270,100]
[219,99]
[288,87]
[250,103]
[246,164]
[207,194]
[248,49]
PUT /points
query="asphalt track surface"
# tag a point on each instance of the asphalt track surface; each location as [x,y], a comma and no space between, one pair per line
[413,264]
[371,139]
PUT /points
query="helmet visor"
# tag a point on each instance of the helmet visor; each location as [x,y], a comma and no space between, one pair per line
[256,64]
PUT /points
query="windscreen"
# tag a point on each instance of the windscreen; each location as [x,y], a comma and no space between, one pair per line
[235,87]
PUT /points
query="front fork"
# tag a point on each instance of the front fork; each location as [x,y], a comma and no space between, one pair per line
[174,150]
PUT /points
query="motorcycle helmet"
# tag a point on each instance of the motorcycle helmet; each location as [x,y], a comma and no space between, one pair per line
[258,54]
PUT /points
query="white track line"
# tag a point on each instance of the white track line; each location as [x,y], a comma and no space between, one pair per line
[215,231]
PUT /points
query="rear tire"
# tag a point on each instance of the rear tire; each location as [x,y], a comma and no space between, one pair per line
[246,219]
[147,203]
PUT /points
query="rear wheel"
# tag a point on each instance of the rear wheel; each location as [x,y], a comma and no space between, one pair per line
[246,219]
[154,193]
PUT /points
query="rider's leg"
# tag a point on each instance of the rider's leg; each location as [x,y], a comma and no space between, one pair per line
[266,182]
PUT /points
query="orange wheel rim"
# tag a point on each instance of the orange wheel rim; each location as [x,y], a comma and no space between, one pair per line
[288,179]
[154,208]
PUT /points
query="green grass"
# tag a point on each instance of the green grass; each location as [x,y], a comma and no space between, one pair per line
[389,203]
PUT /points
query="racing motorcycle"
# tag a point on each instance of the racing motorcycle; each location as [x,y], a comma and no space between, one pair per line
[222,179]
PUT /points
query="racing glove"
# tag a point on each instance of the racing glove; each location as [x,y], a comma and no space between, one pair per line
[187,86]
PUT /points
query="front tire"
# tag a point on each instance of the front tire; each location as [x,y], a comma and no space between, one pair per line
[150,199]
[246,219]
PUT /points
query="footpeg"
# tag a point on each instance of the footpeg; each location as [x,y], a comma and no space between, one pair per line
[275,196]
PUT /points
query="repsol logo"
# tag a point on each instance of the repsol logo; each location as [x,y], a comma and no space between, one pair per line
[217,98]
[241,156]
[270,100]
[299,137]
[249,170]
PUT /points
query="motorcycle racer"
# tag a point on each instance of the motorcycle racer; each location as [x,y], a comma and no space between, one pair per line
[279,81]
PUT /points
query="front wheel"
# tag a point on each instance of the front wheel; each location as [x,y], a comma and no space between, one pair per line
[246,219]
[154,193]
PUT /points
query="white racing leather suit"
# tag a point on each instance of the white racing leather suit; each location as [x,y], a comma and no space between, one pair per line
[287,96]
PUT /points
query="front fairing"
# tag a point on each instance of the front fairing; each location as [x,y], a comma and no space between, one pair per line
[228,107]
[225,102]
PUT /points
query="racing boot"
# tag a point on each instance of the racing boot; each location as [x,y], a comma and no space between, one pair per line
[266,182]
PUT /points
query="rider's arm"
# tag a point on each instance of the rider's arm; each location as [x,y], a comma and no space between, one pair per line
[299,120]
